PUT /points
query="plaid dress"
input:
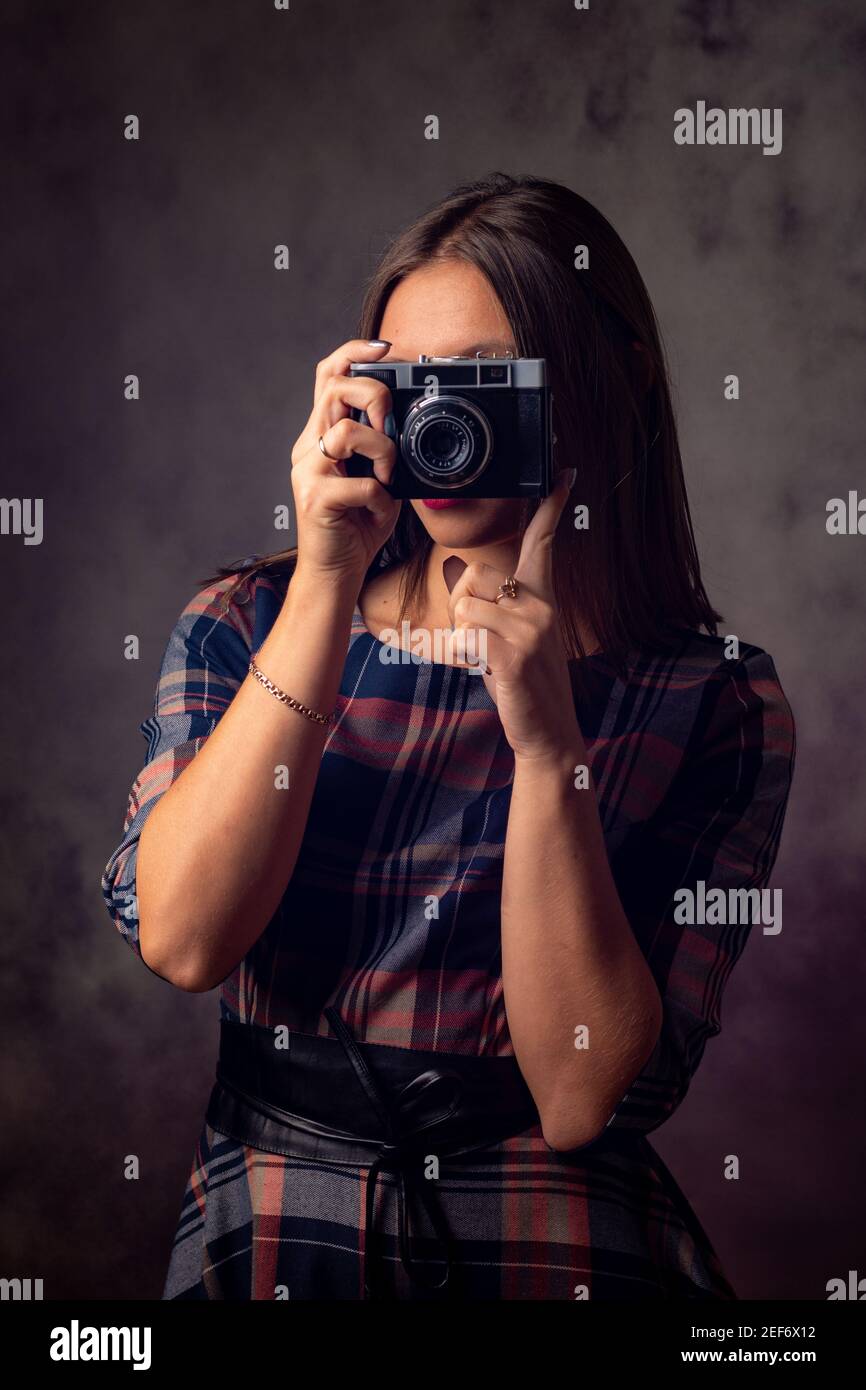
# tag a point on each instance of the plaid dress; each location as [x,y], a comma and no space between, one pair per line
[692,756]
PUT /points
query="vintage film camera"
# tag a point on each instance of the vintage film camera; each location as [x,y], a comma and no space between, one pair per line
[465,426]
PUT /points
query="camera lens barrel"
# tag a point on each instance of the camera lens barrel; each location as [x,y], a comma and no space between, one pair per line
[447,441]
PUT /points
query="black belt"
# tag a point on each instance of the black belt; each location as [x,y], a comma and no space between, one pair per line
[364,1103]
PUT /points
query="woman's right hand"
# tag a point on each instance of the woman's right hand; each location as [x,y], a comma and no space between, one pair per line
[343,521]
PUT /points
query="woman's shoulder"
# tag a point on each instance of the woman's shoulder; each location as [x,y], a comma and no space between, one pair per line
[703,686]
[231,613]
[689,657]
[733,682]
[235,586]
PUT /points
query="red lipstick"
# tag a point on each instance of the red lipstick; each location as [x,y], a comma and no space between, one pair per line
[437,502]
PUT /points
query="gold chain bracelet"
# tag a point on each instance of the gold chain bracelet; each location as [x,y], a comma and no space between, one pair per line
[287,699]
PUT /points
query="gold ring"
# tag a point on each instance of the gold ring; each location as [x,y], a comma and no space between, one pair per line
[325,452]
[510,589]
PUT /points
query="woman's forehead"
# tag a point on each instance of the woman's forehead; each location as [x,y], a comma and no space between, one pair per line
[449,309]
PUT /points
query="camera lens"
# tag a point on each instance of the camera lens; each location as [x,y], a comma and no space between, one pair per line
[440,444]
[442,447]
[446,441]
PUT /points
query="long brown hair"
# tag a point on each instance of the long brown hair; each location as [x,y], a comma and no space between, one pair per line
[633,574]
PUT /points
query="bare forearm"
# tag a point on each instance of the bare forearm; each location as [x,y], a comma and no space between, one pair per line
[570,960]
[219,847]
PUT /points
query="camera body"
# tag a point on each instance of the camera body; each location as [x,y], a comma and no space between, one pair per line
[465,426]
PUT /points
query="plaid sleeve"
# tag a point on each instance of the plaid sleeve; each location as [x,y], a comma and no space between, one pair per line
[203,665]
[721,824]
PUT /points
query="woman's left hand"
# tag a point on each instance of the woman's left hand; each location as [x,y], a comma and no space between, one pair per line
[528,666]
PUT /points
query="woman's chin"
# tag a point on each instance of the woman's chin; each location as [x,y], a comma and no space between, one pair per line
[471,521]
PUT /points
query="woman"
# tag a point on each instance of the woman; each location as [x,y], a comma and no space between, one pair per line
[455,989]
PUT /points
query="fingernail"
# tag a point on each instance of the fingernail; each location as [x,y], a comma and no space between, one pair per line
[378,342]
[390,424]
[572,478]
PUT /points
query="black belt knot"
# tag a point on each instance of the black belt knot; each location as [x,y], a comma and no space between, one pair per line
[335,1100]
[407,1122]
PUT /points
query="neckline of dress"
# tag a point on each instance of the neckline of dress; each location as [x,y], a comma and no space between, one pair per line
[421,661]
[448,665]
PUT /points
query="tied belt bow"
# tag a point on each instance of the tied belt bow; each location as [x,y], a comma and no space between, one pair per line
[406,1122]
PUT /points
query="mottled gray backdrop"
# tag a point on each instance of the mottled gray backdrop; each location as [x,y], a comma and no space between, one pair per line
[260,127]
